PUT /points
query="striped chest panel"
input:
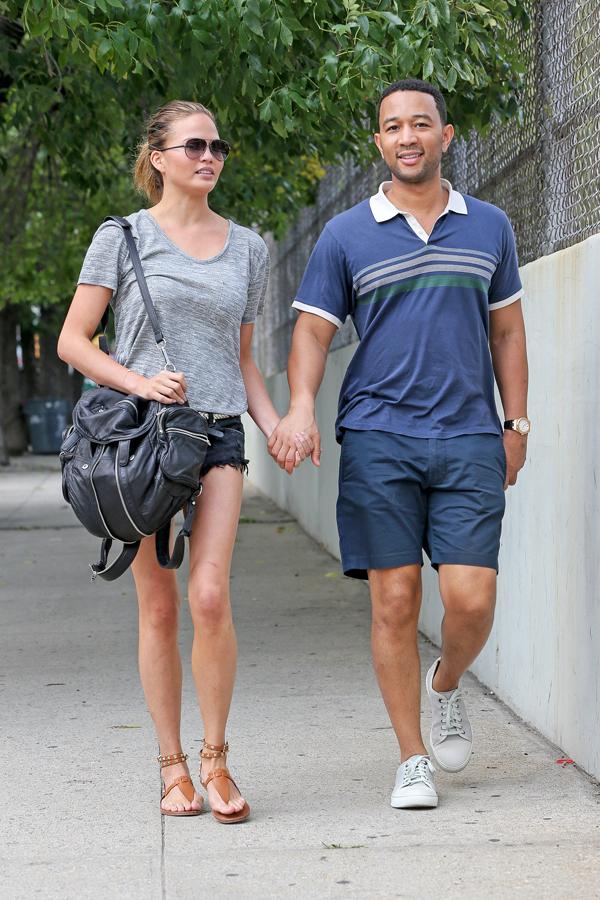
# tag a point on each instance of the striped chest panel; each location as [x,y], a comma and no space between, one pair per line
[430,267]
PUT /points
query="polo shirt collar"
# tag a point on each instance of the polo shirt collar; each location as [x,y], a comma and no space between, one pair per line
[383,209]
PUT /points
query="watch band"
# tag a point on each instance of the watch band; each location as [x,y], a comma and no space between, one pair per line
[511,425]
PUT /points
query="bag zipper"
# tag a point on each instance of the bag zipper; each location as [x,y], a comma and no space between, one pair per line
[137,528]
[192,434]
[131,403]
[94,467]
[174,429]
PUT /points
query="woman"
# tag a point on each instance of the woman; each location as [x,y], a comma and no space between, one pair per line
[207,277]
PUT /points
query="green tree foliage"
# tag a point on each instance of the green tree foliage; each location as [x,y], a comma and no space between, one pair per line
[293,84]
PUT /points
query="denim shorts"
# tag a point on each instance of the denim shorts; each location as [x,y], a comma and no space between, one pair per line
[401,495]
[227,446]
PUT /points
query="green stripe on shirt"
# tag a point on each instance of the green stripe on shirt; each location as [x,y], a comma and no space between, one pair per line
[425,281]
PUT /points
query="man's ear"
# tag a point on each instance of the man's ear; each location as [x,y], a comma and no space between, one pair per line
[447,136]
[377,139]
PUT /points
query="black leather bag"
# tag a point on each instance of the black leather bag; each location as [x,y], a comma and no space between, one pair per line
[128,464]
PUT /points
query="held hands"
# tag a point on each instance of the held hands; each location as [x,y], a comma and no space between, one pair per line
[294,439]
[515,447]
[166,387]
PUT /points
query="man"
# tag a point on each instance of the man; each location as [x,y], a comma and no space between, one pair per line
[430,279]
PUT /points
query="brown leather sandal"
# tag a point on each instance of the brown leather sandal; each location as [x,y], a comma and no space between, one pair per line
[221,779]
[184,783]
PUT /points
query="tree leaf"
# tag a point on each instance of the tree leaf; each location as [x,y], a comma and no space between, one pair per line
[252,21]
[286,35]
[391,17]
[279,128]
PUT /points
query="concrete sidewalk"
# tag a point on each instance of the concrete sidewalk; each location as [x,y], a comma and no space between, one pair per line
[311,743]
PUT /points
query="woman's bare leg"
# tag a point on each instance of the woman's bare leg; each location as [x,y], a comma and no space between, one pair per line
[214,652]
[160,663]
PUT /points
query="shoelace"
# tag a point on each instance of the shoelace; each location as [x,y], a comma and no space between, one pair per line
[452,722]
[419,770]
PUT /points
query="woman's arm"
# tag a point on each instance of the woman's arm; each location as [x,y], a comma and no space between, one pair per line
[75,347]
[260,406]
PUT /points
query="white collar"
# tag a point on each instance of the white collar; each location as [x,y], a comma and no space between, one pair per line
[383,209]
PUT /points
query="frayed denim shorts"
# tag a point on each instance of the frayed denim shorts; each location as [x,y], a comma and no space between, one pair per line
[227,446]
[401,495]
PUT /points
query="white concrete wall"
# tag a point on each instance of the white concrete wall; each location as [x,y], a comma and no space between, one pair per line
[543,657]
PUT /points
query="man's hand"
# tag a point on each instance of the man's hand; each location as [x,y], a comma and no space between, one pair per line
[515,447]
[294,439]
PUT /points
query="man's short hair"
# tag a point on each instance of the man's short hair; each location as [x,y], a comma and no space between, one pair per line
[415,84]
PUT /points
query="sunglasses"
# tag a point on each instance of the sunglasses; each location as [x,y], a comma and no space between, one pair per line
[196,147]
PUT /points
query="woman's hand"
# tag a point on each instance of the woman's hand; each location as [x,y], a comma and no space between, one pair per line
[295,438]
[166,387]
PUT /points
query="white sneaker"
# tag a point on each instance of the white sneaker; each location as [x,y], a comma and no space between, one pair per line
[415,785]
[451,735]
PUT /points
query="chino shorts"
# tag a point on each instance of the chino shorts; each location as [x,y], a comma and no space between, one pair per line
[401,495]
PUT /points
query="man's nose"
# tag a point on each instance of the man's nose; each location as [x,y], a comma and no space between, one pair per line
[406,135]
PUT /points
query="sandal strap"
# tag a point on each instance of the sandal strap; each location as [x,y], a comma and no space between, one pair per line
[172,760]
[213,751]
[180,782]
[217,773]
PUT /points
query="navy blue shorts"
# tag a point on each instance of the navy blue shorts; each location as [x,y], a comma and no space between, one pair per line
[401,495]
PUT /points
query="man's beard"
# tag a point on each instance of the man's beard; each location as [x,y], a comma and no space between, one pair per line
[428,172]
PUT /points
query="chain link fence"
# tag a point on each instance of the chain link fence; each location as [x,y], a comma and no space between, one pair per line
[545,172]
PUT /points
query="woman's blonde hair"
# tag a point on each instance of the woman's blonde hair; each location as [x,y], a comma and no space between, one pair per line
[146,178]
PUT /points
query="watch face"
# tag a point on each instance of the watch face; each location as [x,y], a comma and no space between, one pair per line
[523,426]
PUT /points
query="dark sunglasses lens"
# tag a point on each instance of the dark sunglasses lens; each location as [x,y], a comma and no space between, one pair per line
[220,149]
[196,147]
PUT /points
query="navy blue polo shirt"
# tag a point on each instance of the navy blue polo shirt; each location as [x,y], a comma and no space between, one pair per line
[421,306]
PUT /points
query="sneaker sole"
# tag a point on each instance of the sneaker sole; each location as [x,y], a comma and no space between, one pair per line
[414,802]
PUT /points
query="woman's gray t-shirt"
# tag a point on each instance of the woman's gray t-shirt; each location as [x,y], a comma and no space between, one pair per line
[200,304]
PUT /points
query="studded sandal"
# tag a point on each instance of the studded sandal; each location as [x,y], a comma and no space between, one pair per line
[184,783]
[221,780]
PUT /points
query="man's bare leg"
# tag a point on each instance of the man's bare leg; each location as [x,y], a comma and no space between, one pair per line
[396,601]
[469,598]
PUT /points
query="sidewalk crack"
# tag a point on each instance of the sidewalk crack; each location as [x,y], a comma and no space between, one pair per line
[163,872]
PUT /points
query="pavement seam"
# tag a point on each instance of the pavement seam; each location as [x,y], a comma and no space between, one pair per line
[163,872]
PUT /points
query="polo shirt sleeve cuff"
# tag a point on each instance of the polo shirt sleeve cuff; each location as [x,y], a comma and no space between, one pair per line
[501,303]
[317,311]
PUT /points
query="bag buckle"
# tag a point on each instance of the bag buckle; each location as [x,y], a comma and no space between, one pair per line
[162,346]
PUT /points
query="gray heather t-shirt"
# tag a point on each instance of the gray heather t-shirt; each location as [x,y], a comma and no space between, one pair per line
[200,304]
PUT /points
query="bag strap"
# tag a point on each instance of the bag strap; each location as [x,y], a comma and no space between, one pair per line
[174,560]
[143,286]
[129,551]
[118,566]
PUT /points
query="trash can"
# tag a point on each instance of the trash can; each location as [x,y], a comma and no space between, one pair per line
[46,421]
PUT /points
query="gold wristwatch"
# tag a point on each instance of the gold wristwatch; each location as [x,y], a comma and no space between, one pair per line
[522,425]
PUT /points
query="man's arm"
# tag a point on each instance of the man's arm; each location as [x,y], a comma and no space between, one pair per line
[509,358]
[306,366]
